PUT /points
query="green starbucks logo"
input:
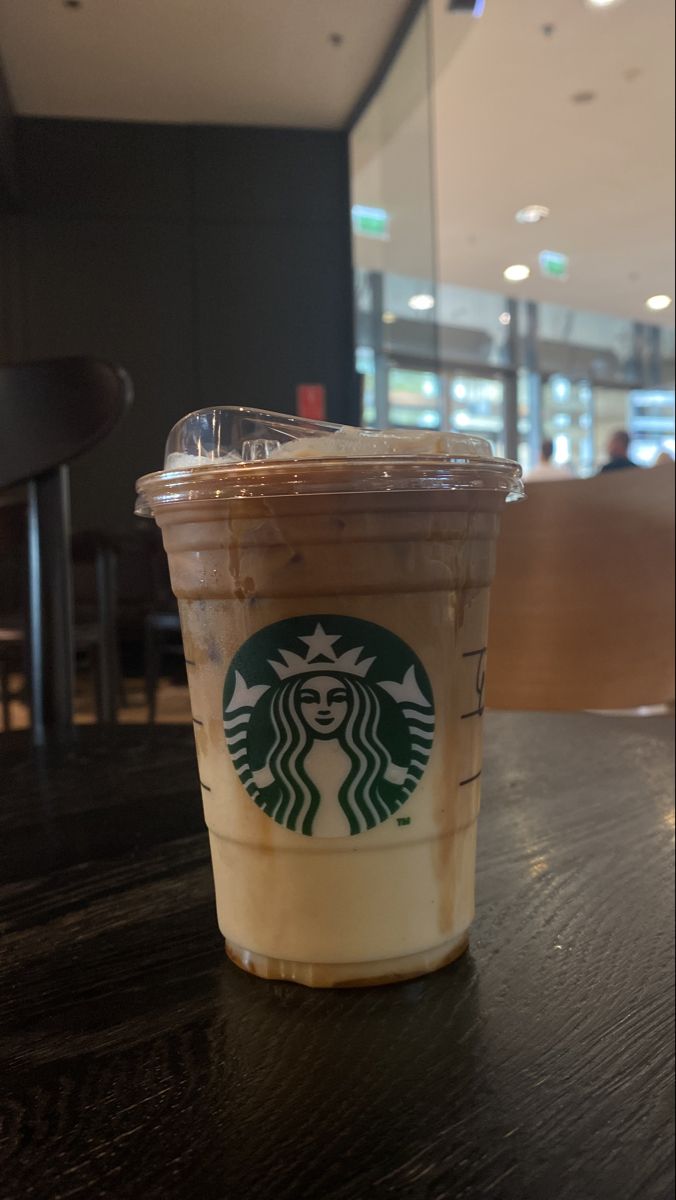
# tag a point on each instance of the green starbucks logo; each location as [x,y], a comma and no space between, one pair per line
[329,722]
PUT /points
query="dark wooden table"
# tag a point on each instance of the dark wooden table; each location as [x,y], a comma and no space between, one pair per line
[142,1064]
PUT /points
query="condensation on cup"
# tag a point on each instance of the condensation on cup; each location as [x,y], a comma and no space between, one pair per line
[333,588]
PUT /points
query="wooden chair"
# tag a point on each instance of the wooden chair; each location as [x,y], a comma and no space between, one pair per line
[50,412]
[162,628]
[582,607]
[94,559]
[146,605]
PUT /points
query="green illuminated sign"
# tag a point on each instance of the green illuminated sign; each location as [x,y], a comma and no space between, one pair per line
[553,265]
[370,222]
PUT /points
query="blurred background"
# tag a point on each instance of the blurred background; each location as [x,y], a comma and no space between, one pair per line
[448,214]
[533,141]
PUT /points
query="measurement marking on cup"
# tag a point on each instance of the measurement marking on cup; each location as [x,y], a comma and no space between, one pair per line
[470,780]
[479,682]
[205,786]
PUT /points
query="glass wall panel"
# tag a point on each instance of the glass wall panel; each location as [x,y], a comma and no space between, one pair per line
[567,418]
[393,231]
[476,406]
[474,326]
[583,345]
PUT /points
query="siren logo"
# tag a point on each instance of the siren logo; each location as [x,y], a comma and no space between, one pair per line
[329,722]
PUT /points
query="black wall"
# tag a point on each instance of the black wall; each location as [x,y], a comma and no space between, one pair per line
[8,182]
[212,262]
[7,197]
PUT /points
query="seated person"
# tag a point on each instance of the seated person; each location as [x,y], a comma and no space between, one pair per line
[547,469]
[618,457]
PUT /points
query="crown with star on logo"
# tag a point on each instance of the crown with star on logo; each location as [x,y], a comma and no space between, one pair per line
[321,656]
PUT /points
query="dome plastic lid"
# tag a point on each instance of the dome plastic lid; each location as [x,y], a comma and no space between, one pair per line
[237,453]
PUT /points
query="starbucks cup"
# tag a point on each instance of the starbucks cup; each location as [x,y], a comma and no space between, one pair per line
[333,589]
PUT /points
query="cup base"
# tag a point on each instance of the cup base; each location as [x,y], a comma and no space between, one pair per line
[346,975]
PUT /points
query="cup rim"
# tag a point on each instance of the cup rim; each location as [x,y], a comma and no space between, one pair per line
[329,476]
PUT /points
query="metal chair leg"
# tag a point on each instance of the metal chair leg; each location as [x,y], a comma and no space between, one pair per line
[106,655]
[4,693]
[122,694]
[50,604]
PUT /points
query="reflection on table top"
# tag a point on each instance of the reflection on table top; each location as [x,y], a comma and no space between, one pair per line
[141,1063]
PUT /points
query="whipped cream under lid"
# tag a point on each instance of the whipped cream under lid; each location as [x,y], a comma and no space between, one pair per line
[240,452]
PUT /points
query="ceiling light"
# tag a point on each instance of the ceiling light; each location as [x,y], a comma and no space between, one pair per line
[421,302]
[601,3]
[531,214]
[388,318]
[517,273]
[658,303]
[505,318]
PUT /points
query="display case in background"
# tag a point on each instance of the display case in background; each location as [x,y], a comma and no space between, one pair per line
[651,424]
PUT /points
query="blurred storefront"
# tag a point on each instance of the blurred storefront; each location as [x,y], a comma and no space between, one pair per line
[576,376]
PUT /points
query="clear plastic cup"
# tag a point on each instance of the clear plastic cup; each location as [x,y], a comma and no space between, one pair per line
[333,588]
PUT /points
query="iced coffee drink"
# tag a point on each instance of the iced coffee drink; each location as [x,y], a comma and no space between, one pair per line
[333,590]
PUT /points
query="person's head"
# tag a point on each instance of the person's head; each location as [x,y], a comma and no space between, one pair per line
[619,444]
[547,450]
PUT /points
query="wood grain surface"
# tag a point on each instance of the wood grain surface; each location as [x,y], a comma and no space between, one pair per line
[140,1063]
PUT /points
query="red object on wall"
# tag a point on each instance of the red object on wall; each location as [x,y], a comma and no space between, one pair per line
[311,401]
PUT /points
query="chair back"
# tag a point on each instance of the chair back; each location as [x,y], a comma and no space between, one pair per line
[582,607]
[50,412]
[54,410]
[12,555]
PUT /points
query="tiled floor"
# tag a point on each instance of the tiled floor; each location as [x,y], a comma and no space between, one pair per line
[173,705]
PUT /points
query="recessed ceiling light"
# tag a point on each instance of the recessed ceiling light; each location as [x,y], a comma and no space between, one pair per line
[601,3]
[505,318]
[658,303]
[388,318]
[531,214]
[516,273]
[421,302]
